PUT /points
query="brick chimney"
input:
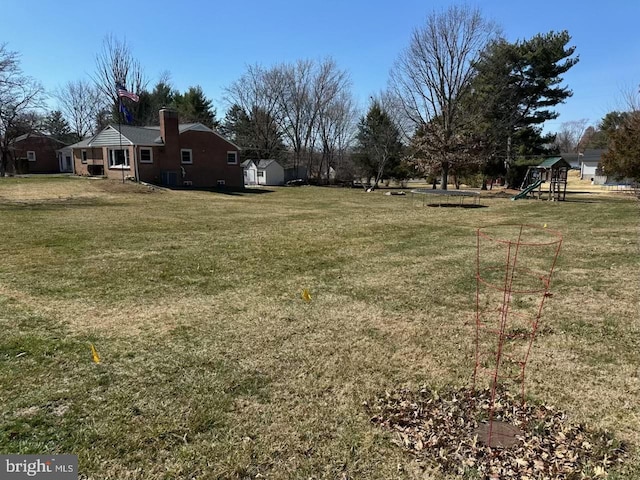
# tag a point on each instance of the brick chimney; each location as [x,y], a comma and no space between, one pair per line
[169,133]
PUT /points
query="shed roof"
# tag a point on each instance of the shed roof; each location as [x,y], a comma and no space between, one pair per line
[554,162]
[265,163]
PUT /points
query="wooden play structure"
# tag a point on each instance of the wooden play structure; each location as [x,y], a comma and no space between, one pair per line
[552,172]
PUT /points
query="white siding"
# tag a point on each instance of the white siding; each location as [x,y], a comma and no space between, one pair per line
[250,174]
[274,174]
[587,170]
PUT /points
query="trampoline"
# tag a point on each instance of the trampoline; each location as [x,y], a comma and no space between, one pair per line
[447,198]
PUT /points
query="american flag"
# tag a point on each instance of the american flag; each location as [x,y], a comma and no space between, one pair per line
[123,92]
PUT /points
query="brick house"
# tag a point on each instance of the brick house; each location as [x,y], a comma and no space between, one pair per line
[36,153]
[171,154]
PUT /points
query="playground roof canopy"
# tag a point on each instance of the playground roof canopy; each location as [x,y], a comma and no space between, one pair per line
[554,162]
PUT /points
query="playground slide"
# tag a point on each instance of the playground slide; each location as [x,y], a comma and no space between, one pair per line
[527,190]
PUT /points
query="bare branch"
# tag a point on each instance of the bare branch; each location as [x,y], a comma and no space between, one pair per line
[80,102]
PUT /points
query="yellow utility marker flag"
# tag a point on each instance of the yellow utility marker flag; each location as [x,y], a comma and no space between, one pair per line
[306,296]
[94,354]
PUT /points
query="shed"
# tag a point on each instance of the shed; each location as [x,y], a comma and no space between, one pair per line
[250,172]
[269,172]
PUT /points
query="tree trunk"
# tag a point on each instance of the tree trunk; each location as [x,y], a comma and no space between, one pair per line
[445,175]
[508,163]
[3,163]
[484,183]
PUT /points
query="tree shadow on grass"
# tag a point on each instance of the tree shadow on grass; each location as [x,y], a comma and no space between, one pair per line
[56,204]
[238,192]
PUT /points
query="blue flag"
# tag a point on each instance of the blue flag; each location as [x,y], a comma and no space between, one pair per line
[127,114]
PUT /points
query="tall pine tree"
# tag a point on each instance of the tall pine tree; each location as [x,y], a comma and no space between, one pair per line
[379,149]
[517,85]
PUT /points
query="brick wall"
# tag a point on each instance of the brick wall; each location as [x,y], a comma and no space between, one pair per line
[45,151]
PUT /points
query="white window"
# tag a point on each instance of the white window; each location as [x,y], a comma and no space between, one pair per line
[31,156]
[232,158]
[84,156]
[221,183]
[118,158]
[146,155]
[261,173]
[185,156]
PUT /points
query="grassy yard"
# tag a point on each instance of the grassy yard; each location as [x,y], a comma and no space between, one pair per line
[214,367]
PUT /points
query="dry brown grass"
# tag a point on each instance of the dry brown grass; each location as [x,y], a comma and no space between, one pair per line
[214,367]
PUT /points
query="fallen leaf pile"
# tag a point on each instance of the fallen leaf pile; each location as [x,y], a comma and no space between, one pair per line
[440,430]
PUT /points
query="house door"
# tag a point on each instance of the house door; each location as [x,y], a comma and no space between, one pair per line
[169,179]
[67,164]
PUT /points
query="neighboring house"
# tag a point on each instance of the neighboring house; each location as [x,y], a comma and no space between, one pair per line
[589,162]
[171,154]
[36,153]
[573,158]
[263,172]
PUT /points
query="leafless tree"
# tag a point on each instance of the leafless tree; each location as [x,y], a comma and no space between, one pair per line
[20,96]
[570,135]
[432,76]
[253,94]
[631,98]
[336,131]
[116,64]
[334,115]
[80,102]
[297,112]
[309,101]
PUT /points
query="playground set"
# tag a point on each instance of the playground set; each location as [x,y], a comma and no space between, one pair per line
[553,171]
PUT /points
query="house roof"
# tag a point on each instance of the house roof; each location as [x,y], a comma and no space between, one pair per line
[140,135]
[592,156]
[36,134]
[81,144]
[246,163]
[147,136]
[554,162]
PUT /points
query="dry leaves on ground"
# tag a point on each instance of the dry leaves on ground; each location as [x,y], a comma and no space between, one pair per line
[440,430]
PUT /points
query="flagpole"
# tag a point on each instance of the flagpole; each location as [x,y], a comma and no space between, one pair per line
[124,156]
[122,110]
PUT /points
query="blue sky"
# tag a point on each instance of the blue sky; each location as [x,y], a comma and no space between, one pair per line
[209,43]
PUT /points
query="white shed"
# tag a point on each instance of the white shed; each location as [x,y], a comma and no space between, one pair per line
[269,172]
[250,172]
